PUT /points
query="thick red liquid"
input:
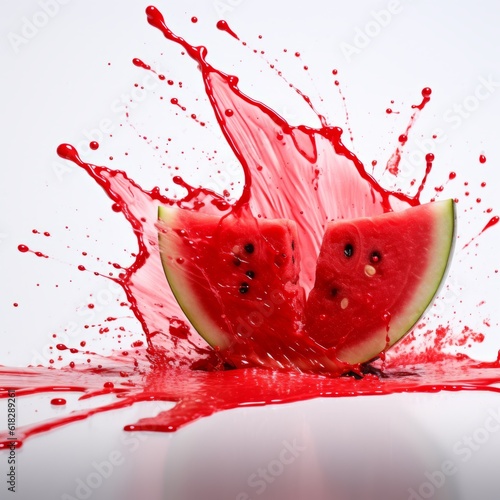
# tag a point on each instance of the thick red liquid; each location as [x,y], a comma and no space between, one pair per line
[296,172]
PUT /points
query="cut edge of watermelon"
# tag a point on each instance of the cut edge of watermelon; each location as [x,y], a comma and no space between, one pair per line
[431,281]
[195,314]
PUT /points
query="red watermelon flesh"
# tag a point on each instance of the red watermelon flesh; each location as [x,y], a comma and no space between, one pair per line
[236,280]
[376,276]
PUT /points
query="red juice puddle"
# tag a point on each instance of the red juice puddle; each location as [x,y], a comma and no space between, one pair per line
[300,173]
[199,394]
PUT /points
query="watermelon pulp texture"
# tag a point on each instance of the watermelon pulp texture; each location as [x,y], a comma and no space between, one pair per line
[376,276]
[237,281]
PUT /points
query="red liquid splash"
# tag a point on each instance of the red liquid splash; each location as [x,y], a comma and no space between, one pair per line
[140,64]
[426,94]
[223,26]
[323,181]
[394,161]
[492,222]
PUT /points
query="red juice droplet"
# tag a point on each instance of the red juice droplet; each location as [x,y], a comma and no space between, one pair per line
[482,159]
[194,19]
[58,402]
[23,248]
[140,64]
[492,222]
[94,145]
[68,152]
[426,94]
[223,26]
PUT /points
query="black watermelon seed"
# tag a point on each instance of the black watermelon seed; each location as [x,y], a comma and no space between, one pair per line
[250,274]
[237,261]
[249,247]
[293,244]
[375,257]
[348,250]
[354,375]
[244,287]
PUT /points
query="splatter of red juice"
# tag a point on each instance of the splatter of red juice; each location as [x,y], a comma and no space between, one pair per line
[297,172]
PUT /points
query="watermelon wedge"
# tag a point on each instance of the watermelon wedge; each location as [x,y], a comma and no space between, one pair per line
[236,281]
[376,276]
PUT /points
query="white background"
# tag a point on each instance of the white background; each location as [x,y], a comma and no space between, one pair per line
[57,86]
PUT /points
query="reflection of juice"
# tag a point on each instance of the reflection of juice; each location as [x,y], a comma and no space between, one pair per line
[313,178]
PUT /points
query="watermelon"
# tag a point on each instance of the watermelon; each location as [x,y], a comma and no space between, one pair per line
[376,276]
[236,279]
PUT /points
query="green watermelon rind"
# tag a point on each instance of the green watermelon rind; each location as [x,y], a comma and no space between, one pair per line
[430,284]
[179,283]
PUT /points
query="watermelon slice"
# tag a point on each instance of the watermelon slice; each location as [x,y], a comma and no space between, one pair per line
[376,276]
[236,281]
